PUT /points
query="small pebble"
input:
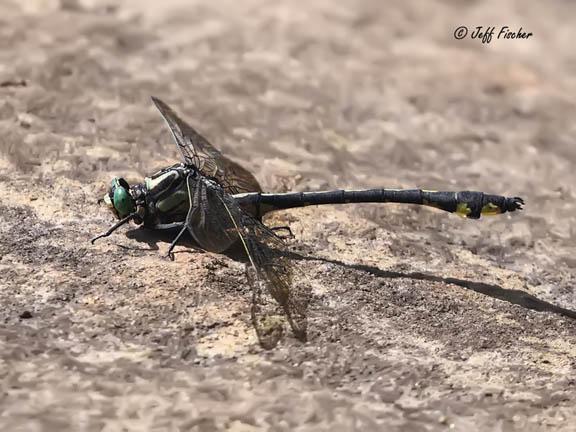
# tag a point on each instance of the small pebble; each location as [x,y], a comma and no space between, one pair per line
[26,315]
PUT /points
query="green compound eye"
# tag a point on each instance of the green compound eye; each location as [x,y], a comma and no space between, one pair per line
[123,202]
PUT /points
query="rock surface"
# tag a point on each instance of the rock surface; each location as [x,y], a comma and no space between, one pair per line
[420,321]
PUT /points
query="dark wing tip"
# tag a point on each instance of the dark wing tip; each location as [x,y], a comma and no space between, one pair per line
[175,123]
[158,103]
[178,128]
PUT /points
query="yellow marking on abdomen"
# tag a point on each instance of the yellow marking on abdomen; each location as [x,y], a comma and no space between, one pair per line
[463,210]
[491,209]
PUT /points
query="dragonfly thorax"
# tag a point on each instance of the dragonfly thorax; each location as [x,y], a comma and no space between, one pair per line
[167,195]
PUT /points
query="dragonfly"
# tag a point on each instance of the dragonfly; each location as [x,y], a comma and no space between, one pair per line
[221,204]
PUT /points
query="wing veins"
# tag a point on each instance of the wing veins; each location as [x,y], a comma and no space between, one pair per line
[197,151]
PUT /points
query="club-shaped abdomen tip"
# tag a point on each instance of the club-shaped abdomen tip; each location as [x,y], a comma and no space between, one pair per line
[513,204]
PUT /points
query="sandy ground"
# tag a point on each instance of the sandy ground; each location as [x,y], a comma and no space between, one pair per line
[420,321]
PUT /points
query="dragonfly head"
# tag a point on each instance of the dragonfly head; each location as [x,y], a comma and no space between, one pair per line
[118,199]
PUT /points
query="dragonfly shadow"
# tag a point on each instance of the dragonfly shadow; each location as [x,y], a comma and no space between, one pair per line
[237,253]
[186,244]
[153,237]
[514,296]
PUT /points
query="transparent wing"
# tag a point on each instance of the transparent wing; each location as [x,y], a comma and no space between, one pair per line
[277,270]
[218,221]
[197,151]
[208,221]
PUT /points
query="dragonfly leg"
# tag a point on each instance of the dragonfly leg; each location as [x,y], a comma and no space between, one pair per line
[169,254]
[289,234]
[114,227]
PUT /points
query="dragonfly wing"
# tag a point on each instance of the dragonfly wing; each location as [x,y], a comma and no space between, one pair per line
[218,221]
[197,151]
[277,270]
[209,222]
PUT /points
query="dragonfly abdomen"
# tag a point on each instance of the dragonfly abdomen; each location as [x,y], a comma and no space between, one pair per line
[469,204]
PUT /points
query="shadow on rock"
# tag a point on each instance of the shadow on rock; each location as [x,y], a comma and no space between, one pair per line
[185,244]
[518,297]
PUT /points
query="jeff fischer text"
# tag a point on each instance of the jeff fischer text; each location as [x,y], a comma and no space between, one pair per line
[486,34]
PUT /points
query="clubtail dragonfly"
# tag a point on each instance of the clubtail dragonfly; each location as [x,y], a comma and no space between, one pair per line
[221,204]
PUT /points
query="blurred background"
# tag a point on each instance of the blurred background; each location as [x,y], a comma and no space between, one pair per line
[307,95]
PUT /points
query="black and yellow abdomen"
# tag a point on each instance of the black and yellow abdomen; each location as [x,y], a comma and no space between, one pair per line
[470,204]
